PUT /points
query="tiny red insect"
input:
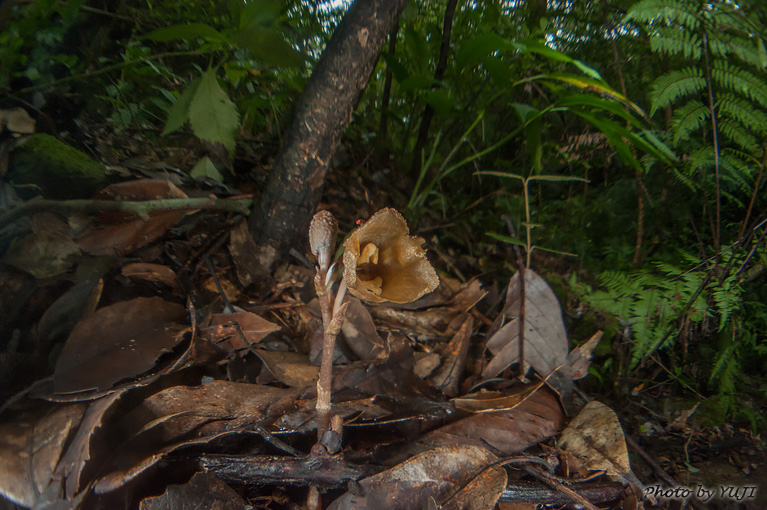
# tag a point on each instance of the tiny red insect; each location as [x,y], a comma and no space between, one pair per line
[360,222]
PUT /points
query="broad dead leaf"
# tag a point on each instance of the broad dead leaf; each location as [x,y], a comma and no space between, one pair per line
[482,492]
[432,476]
[596,437]
[536,419]
[253,328]
[47,251]
[546,345]
[204,490]
[243,248]
[123,233]
[118,341]
[30,448]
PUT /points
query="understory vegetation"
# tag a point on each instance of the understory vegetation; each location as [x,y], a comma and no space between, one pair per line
[622,144]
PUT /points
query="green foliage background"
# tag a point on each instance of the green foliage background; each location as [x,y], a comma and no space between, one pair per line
[638,129]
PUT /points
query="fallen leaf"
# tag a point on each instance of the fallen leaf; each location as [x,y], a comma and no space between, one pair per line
[63,315]
[546,344]
[447,377]
[536,419]
[596,437]
[579,358]
[290,368]
[124,233]
[30,448]
[204,490]
[71,465]
[253,328]
[46,252]
[243,248]
[360,331]
[489,401]
[155,273]
[429,477]
[482,492]
[118,341]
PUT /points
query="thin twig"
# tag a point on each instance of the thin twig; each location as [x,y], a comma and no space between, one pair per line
[140,208]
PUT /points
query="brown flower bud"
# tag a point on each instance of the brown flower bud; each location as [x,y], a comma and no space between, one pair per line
[322,237]
[383,263]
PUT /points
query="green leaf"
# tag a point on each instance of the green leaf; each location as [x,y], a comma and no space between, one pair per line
[206,169]
[398,69]
[540,48]
[185,32]
[687,119]
[260,13]
[269,46]
[506,239]
[473,51]
[439,100]
[212,114]
[179,112]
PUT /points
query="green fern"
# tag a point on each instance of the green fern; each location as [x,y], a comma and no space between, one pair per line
[674,85]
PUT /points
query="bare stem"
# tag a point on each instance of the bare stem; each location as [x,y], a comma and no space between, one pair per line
[333,314]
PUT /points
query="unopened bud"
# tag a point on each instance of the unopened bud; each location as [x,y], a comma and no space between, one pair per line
[322,237]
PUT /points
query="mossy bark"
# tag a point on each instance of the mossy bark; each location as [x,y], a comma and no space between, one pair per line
[57,169]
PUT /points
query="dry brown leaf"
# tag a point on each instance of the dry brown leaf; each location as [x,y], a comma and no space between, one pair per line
[204,490]
[123,233]
[119,341]
[596,437]
[155,273]
[360,331]
[30,448]
[579,358]
[448,376]
[536,419]
[48,251]
[482,492]
[243,248]
[63,315]
[489,401]
[253,327]
[546,344]
[71,465]
[429,477]
[290,368]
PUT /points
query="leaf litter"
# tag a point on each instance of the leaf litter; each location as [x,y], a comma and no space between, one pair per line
[159,367]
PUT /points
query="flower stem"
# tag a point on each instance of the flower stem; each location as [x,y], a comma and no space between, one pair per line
[333,314]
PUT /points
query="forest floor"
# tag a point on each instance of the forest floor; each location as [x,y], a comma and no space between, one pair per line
[150,362]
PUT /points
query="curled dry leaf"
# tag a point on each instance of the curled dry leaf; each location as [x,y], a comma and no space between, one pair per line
[596,437]
[383,263]
[432,476]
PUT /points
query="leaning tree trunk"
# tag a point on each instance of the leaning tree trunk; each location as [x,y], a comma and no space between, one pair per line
[281,215]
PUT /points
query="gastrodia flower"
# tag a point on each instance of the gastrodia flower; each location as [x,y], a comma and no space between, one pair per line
[322,237]
[383,263]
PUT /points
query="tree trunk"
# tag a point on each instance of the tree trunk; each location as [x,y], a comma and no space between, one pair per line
[280,218]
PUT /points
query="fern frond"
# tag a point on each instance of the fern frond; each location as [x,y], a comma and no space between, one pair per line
[669,11]
[746,49]
[688,118]
[739,80]
[672,41]
[675,84]
[737,134]
[743,111]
